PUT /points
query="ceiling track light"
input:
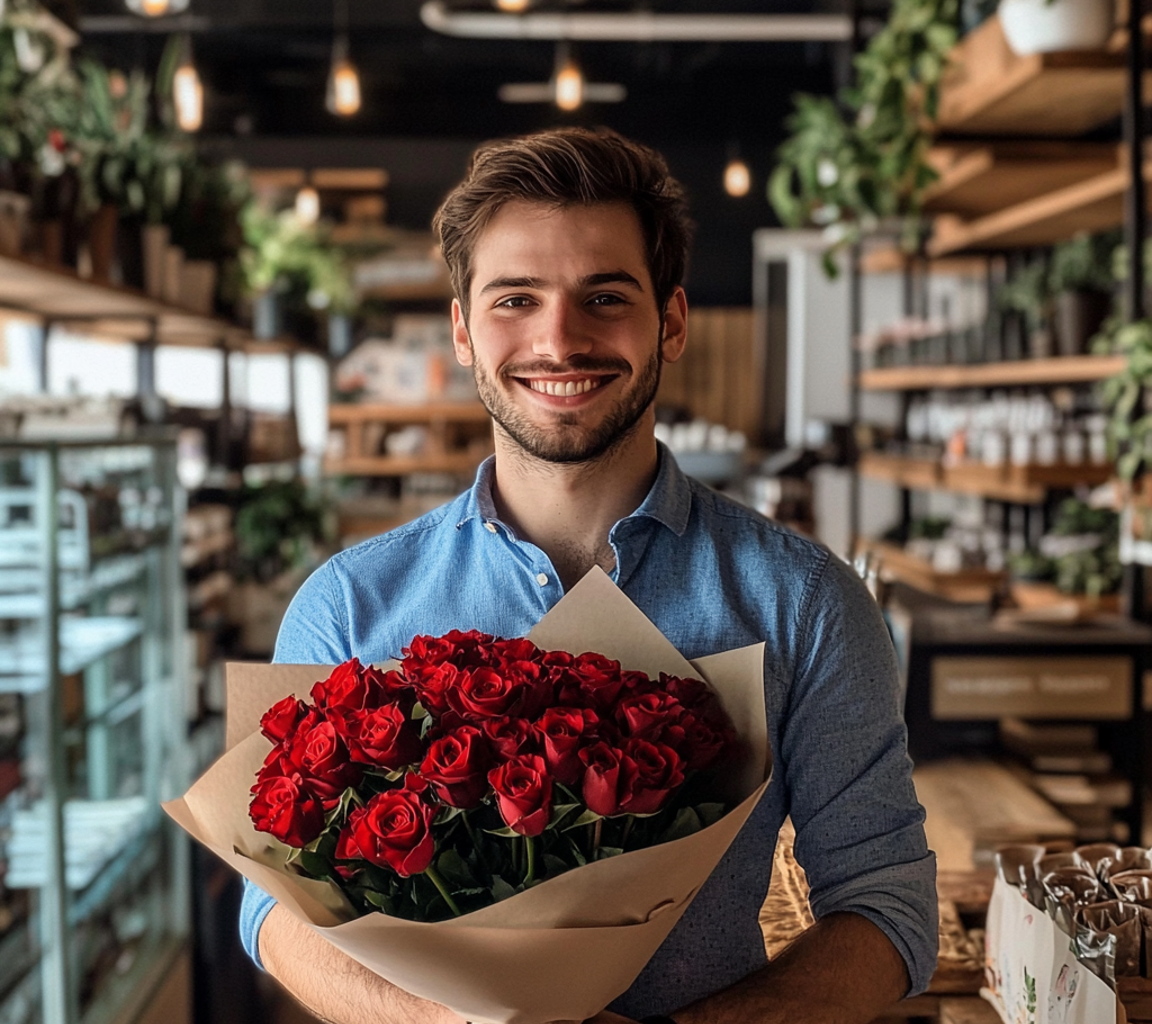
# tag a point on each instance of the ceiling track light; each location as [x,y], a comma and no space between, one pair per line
[156,8]
[568,80]
[343,95]
[188,90]
[737,176]
[512,6]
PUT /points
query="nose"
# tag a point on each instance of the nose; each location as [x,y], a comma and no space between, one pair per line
[561,332]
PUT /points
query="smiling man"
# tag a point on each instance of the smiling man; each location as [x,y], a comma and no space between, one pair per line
[567,250]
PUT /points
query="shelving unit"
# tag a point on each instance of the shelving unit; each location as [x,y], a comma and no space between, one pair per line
[458,438]
[93,868]
[1017,373]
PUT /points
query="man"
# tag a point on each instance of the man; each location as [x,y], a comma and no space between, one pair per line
[566,251]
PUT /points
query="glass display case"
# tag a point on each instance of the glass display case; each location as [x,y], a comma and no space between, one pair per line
[93,878]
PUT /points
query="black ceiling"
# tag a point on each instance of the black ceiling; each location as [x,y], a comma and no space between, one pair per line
[265,63]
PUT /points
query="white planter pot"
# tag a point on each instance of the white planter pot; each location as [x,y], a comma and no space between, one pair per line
[1048,26]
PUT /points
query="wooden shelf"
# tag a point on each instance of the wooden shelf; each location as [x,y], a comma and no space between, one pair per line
[450,412]
[989,90]
[395,465]
[1059,370]
[1094,204]
[1022,485]
[891,260]
[979,179]
[124,314]
[973,585]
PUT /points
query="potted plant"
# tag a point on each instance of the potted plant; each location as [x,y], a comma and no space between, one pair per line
[1080,282]
[854,166]
[1026,294]
[1049,26]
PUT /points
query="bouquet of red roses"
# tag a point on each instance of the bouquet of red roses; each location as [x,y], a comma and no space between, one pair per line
[480,767]
[494,765]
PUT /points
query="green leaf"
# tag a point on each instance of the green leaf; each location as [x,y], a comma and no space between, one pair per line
[608,851]
[455,869]
[501,890]
[589,817]
[503,833]
[686,823]
[710,813]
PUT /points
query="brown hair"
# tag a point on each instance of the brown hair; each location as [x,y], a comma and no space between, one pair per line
[567,167]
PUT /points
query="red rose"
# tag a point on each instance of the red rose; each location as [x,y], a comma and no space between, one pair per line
[590,679]
[659,770]
[394,829]
[427,653]
[287,810]
[456,766]
[383,736]
[509,736]
[520,649]
[482,693]
[280,720]
[702,743]
[433,687]
[563,731]
[691,693]
[608,775]
[318,754]
[523,793]
[648,715]
[350,687]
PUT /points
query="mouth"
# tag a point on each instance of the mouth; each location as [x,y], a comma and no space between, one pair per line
[564,388]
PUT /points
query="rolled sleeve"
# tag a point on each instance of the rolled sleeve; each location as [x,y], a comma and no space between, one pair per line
[254,907]
[859,827]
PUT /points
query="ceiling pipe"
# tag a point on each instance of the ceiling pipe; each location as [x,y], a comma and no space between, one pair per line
[638,26]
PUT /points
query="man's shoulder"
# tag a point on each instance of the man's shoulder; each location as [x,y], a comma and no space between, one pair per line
[428,528]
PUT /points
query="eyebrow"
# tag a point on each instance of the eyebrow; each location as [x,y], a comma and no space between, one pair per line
[590,281]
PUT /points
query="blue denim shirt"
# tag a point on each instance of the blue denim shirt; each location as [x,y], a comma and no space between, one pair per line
[713,576]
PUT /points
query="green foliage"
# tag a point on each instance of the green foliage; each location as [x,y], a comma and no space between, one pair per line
[281,252]
[1129,426]
[1027,292]
[852,166]
[276,526]
[1083,263]
[1085,543]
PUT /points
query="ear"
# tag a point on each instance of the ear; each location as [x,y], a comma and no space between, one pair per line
[675,326]
[460,340]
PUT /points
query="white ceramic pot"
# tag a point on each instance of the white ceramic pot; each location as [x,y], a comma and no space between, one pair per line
[1048,26]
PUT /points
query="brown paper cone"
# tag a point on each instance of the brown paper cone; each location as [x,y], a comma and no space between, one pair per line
[562,950]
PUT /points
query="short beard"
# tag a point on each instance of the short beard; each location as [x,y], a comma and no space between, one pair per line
[564,442]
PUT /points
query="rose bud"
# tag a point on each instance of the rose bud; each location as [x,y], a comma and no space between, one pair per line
[509,736]
[346,689]
[563,731]
[394,829]
[286,810]
[322,759]
[523,793]
[280,720]
[647,715]
[483,693]
[659,770]
[383,737]
[456,765]
[607,773]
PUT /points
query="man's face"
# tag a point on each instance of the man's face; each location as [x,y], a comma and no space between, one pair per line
[564,335]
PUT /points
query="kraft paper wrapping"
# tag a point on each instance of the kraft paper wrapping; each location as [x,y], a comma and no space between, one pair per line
[562,950]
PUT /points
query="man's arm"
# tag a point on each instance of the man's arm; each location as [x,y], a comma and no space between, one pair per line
[842,970]
[332,985]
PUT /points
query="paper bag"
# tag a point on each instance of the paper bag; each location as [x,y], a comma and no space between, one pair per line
[562,950]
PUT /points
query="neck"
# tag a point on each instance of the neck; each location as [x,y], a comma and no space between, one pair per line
[568,509]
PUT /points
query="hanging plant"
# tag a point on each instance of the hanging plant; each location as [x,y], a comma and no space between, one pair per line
[855,165]
[1130,425]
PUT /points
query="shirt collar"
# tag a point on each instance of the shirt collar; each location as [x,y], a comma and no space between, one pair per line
[669,500]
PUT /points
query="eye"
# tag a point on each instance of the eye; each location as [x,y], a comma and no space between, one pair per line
[514,302]
[607,299]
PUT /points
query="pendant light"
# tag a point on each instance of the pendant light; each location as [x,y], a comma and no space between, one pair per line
[307,206]
[568,82]
[156,8]
[187,90]
[512,6]
[737,178]
[343,97]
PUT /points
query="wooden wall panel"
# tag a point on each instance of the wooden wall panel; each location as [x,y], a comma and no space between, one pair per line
[719,377]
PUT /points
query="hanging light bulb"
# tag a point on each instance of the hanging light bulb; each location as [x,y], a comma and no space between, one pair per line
[156,8]
[737,178]
[568,82]
[188,92]
[512,6]
[343,97]
[307,205]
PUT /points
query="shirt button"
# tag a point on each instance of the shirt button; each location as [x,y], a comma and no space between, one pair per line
[490,527]
[542,579]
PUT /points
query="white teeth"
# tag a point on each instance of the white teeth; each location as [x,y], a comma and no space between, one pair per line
[562,388]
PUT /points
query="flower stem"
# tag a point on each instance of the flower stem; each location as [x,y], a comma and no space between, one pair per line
[476,846]
[530,846]
[627,831]
[596,830]
[437,881]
